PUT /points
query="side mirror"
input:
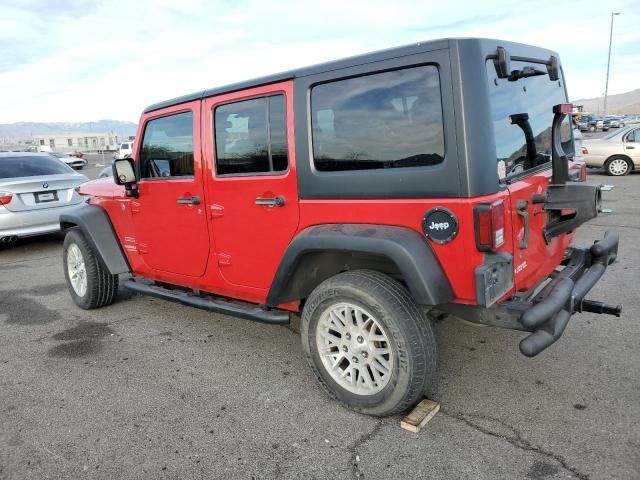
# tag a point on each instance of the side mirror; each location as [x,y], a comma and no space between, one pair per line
[124,174]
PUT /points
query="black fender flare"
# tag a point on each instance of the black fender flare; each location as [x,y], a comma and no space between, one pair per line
[94,223]
[337,247]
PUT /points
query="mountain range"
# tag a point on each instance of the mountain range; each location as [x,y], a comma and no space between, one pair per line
[24,131]
[621,103]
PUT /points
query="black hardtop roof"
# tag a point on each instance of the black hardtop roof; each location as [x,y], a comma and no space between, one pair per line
[483,43]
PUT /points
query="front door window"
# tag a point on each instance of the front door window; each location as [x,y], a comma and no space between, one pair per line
[167,147]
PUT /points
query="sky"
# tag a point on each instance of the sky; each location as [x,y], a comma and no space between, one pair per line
[84,60]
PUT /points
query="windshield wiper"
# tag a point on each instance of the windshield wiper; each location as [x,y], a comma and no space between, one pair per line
[526,72]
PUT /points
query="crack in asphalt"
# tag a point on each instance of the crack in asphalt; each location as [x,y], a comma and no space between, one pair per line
[516,440]
[353,449]
[614,226]
[27,260]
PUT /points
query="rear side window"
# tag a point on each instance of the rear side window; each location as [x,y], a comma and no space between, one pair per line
[250,136]
[167,147]
[385,120]
[14,167]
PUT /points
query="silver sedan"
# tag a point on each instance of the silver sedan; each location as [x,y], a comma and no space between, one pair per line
[35,188]
[618,153]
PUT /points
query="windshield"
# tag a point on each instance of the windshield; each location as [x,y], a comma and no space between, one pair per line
[24,166]
[524,108]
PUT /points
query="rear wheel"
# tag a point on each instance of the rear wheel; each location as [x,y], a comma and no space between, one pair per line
[90,284]
[618,166]
[368,343]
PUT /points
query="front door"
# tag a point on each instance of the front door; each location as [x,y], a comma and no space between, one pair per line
[169,216]
[253,196]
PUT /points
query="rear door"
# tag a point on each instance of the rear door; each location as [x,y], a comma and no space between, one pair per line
[522,114]
[632,146]
[169,216]
[253,193]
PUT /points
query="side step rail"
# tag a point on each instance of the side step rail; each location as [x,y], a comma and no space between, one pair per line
[247,311]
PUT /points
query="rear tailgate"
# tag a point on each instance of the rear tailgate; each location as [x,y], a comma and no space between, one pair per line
[534,259]
[522,113]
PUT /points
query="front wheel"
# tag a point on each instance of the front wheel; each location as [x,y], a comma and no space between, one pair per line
[368,343]
[618,166]
[90,284]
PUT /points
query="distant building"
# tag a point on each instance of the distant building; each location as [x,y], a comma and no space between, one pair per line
[76,142]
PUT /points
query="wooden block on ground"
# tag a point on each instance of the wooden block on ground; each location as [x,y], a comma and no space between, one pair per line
[420,415]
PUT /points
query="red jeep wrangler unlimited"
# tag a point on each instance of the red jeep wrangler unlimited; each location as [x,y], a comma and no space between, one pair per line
[359,193]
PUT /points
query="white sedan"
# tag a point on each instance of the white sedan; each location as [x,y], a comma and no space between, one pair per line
[618,153]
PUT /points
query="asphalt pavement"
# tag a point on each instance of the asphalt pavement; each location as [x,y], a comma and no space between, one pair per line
[149,389]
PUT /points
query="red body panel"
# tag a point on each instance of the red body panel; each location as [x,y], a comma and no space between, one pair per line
[538,259]
[230,246]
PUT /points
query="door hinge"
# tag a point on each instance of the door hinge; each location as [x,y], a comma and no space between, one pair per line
[216,210]
[224,259]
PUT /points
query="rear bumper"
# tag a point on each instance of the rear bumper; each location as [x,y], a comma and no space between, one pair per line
[545,311]
[31,222]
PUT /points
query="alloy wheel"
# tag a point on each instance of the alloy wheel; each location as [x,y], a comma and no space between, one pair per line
[354,349]
[77,270]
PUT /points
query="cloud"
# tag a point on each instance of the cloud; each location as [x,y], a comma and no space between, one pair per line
[84,60]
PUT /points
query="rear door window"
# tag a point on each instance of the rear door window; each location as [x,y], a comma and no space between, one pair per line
[383,120]
[167,147]
[25,166]
[250,136]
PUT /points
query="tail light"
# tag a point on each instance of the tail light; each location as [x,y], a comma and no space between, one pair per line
[584,151]
[489,225]
[583,172]
[5,198]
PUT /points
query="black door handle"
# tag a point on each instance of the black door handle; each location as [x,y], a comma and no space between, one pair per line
[195,200]
[521,208]
[278,201]
[631,148]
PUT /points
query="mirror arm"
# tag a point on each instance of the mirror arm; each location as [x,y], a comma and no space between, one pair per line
[131,190]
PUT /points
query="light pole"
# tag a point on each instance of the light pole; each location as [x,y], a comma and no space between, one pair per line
[606,87]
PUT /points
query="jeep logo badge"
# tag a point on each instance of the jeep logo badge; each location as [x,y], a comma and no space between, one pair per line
[440,225]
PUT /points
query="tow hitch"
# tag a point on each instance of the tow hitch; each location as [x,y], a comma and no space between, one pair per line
[599,307]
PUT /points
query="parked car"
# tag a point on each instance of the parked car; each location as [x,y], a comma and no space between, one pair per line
[618,153]
[77,154]
[615,122]
[603,124]
[580,149]
[74,162]
[125,148]
[106,172]
[591,123]
[409,180]
[35,189]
